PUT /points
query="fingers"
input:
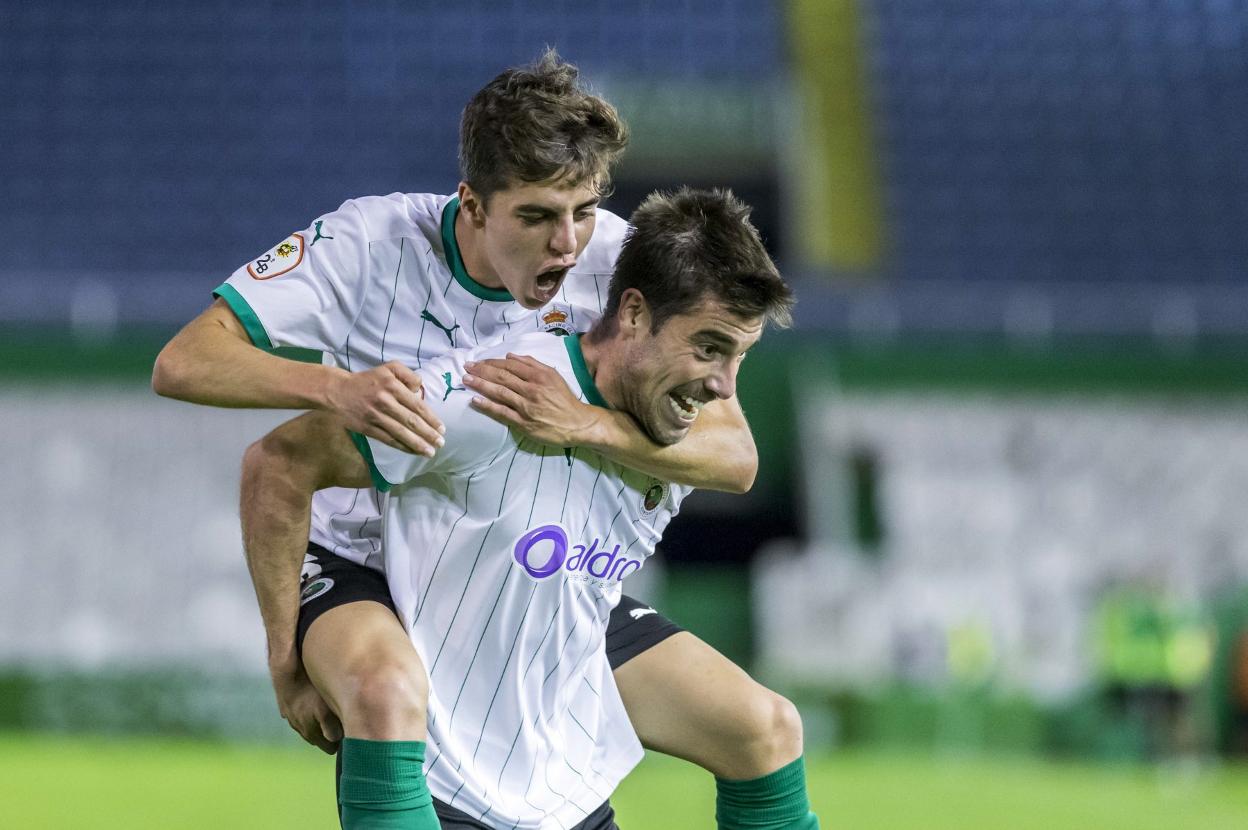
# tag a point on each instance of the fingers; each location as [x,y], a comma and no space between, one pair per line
[499,371]
[527,370]
[319,727]
[412,399]
[331,729]
[405,375]
[537,367]
[417,424]
[502,414]
[496,392]
[395,433]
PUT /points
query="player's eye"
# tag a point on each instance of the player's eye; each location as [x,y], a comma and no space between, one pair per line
[531,219]
[708,350]
[582,215]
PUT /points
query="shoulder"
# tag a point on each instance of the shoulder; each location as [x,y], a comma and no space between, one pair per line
[544,346]
[397,215]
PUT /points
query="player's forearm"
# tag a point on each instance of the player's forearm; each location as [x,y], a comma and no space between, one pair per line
[212,362]
[717,454]
[275,508]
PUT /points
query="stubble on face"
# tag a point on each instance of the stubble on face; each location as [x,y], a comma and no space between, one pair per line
[666,377]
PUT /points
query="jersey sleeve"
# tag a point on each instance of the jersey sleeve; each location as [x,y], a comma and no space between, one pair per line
[473,440]
[308,289]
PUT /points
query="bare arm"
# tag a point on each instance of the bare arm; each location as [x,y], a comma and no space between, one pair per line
[717,454]
[280,473]
[212,361]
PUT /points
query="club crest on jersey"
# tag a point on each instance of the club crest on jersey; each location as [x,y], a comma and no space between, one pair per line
[545,551]
[284,256]
[556,320]
[654,495]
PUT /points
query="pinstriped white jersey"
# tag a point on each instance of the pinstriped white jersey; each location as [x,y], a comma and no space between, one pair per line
[504,558]
[380,279]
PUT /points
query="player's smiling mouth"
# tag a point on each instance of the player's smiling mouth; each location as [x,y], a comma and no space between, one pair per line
[685,407]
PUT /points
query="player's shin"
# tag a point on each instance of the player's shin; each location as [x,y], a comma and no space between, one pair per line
[383,786]
[776,801]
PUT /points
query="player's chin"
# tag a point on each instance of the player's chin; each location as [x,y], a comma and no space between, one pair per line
[663,431]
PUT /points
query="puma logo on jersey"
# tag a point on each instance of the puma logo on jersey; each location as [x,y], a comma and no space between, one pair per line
[638,613]
[450,333]
[446,378]
[319,235]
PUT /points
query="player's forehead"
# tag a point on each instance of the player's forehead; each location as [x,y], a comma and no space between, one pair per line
[712,320]
[551,195]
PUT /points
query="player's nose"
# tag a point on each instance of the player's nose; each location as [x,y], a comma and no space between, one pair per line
[563,239]
[723,383]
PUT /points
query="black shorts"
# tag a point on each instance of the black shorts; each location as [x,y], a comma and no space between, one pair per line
[330,580]
[451,819]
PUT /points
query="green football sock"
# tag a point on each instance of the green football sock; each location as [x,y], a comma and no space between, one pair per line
[774,802]
[383,786]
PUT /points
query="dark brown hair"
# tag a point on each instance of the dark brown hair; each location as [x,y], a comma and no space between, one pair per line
[538,124]
[692,245]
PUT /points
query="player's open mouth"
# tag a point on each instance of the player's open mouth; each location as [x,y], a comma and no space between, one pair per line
[548,282]
[685,407]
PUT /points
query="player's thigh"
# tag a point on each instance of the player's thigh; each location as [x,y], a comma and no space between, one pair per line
[353,646]
[686,699]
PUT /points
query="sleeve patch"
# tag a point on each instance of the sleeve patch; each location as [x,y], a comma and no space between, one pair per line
[282,258]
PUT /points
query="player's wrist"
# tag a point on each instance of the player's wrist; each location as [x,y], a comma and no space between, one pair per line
[284,659]
[327,393]
[603,431]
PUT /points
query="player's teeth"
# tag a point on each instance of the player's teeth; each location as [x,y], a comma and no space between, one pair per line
[685,408]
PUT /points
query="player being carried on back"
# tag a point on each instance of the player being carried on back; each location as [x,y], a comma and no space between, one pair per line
[508,607]
[388,281]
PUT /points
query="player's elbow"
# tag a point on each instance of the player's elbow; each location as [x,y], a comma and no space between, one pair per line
[740,474]
[169,373]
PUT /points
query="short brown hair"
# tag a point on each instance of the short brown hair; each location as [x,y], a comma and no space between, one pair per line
[692,245]
[538,124]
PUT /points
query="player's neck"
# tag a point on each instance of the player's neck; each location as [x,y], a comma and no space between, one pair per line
[475,263]
[599,351]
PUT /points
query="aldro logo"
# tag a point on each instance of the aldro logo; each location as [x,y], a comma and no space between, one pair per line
[557,320]
[545,551]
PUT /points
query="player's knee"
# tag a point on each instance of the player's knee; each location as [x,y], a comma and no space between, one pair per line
[385,702]
[772,731]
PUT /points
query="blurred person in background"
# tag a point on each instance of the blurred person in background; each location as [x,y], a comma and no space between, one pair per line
[388,281]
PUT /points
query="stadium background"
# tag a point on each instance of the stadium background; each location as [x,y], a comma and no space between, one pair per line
[997,549]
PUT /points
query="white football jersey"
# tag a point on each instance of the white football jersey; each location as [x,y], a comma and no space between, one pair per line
[504,558]
[379,279]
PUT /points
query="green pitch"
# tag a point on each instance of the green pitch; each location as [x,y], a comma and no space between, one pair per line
[53,783]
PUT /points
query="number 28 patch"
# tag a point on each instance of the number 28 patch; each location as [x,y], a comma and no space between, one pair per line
[283,257]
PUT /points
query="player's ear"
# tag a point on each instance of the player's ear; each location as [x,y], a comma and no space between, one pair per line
[471,205]
[634,314]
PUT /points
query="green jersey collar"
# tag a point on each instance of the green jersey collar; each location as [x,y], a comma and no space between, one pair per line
[456,262]
[583,377]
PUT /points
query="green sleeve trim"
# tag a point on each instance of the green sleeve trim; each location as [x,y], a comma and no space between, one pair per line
[238,305]
[456,262]
[581,370]
[361,444]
